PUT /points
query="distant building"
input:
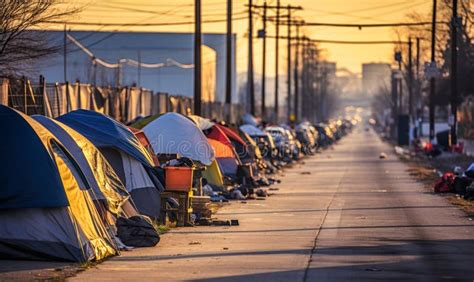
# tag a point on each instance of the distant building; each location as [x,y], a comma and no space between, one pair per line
[374,77]
[329,68]
[150,49]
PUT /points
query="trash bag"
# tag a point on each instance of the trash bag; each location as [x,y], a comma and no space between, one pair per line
[469,192]
[460,184]
[137,231]
[470,171]
[445,183]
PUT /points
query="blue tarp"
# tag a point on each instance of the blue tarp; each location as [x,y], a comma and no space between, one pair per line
[28,175]
[104,132]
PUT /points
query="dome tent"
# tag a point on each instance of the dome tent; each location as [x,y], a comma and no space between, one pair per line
[173,133]
[128,157]
[46,211]
[100,175]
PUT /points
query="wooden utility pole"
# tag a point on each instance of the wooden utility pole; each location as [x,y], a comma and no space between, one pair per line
[296,74]
[410,79]
[264,59]
[454,72]
[228,66]
[197,57]
[432,80]
[277,7]
[288,63]
[250,79]
[277,55]
[418,86]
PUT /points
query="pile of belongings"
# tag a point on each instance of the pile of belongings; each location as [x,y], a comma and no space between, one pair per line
[459,182]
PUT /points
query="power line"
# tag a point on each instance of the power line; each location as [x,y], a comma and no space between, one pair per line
[374,42]
[360,26]
[142,24]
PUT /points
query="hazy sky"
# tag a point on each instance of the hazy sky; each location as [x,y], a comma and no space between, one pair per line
[334,11]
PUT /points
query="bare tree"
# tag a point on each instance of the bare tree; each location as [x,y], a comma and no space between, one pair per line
[19,46]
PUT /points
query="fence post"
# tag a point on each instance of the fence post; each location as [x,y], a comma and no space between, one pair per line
[58,101]
[25,102]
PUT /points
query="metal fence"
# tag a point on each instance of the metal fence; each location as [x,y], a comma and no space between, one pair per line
[121,103]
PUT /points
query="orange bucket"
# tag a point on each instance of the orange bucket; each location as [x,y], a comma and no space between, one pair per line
[178,178]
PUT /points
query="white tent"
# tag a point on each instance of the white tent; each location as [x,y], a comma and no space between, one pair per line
[174,133]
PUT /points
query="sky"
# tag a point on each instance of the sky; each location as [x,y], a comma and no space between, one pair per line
[331,11]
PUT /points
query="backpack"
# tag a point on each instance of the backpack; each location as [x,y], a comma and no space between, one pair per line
[445,183]
[137,231]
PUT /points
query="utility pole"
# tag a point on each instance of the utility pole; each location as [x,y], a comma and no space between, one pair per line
[250,80]
[417,70]
[432,80]
[264,59]
[400,87]
[228,66]
[278,7]
[454,72]
[288,63]
[276,59]
[65,53]
[410,79]
[296,74]
[197,57]
[418,111]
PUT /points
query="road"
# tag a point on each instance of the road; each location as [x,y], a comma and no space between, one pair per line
[344,215]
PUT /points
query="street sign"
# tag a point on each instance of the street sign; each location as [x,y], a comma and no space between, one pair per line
[431,70]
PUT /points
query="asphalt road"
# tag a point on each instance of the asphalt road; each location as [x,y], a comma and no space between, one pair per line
[344,215]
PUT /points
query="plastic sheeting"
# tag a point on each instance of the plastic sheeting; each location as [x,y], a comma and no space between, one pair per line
[103,131]
[173,133]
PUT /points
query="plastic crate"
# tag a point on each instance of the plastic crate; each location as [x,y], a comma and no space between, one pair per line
[178,178]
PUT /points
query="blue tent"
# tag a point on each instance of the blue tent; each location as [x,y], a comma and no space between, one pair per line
[46,211]
[104,131]
[99,174]
[22,152]
[128,157]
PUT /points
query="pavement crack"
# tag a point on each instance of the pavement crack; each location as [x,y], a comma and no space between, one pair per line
[326,212]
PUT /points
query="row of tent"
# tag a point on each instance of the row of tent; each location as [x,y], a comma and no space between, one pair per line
[66,181]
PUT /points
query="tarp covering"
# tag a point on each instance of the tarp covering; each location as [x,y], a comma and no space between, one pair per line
[103,131]
[96,169]
[174,133]
[252,130]
[22,152]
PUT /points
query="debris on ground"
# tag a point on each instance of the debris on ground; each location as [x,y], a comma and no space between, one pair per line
[382,155]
